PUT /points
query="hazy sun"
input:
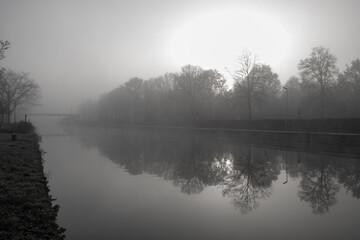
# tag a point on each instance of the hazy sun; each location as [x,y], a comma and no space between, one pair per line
[215,38]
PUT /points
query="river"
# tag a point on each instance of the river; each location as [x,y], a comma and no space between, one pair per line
[121,183]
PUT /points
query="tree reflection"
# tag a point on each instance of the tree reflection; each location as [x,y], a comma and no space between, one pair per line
[349,176]
[190,186]
[193,162]
[186,160]
[190,169]
[318,186]
[250,179]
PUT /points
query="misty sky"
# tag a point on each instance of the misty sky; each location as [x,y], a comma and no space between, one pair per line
[77,50]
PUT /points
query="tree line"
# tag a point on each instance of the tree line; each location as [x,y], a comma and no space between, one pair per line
[16,89]
[194,94]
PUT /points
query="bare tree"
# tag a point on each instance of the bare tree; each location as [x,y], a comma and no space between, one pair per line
[2,98]
[242,76]
[254,82]
[17,89]
[4,45]
[318,185]
[197,87]
[349,80]
[293,87]
[250,178]
[319,67]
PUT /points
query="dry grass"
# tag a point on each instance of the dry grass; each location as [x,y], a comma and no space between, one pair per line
[26,210]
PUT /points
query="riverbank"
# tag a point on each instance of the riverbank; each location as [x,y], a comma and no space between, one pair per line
[26,207]
[334,143]
[346,126]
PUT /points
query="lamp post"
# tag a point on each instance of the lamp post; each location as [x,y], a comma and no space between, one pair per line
[286,106]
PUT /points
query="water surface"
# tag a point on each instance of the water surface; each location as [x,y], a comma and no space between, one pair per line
[119,183]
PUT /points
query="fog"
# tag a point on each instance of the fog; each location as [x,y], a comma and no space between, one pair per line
[80,50]
[169,119]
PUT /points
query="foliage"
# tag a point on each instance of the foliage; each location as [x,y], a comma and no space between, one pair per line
[319,70]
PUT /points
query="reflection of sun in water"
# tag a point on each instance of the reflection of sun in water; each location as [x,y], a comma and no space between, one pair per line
[216,38]
[224,164]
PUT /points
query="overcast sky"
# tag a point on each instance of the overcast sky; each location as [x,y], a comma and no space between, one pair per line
[79,49]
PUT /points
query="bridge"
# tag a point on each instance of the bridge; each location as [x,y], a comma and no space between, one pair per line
[51,114]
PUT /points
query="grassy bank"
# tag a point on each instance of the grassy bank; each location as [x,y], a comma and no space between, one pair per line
[26,206]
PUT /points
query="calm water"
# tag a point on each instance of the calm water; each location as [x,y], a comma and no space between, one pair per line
[114,183]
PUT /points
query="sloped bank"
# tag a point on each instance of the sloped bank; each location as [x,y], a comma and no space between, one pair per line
[26,207]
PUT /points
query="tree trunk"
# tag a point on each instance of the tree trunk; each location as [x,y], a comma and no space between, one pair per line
[322,102]
[8,113]
[249,91]
[2,116]
[249,107]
